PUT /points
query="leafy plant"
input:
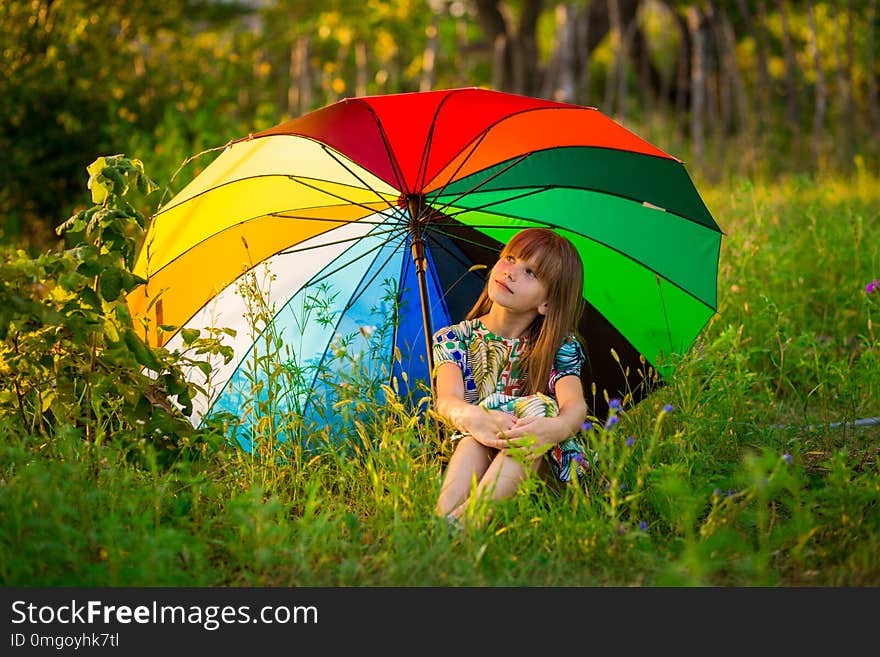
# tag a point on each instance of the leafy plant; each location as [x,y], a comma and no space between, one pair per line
[71,356]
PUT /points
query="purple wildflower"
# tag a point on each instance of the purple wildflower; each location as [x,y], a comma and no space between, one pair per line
[611,422]
[643,526]
[787,457]
[630,441]
[614,404]
[581,460]
[873,286]
[587,426]
[668,408]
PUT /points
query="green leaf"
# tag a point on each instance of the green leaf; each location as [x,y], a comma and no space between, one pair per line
[90,298]
[72,281]
[120,186]
[142,353]
[123,314]
[189,335]
[111,284]
[100,191]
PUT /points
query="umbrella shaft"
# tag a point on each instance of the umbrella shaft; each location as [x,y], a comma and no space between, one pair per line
[420,260]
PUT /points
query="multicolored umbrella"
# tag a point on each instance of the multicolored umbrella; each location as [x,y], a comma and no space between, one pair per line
[350,234]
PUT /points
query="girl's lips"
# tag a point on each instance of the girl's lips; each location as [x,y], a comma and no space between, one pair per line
[500,284]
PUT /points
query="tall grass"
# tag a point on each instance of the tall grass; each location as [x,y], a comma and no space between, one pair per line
[746,469]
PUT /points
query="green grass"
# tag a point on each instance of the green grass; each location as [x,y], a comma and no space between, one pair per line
[744,483]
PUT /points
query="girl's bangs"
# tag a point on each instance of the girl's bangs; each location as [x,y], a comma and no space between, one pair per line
[538,247]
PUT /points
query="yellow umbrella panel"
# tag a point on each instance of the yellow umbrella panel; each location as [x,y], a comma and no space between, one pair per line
[244,207]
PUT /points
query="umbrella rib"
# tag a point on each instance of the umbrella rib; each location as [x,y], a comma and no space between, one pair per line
[346,264]
[395,165]
[598,190]
[467,240]
[342,312]
[423,161]
[336,196]
[476,187]
[665,312]
[282,215]
[474,145]
[454,256]
[341,163]
[592,239]
[357,296]
[531,192]
[696,224]
[342,241]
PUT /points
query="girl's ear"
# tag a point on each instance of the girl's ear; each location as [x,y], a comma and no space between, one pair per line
[542,309]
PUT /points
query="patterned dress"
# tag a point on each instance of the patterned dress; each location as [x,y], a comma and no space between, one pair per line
[491,367]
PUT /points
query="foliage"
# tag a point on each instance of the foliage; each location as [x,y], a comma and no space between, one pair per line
[72,361]
[168,81]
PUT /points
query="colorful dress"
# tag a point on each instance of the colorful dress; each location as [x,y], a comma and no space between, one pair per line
[491,367]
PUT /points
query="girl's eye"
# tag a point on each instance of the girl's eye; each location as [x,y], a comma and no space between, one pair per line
[510,259]
[530,273]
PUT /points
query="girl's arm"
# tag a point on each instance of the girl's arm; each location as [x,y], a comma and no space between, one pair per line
[552,430]
[484,425]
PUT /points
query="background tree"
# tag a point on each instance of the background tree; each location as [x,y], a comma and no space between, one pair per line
[167,81]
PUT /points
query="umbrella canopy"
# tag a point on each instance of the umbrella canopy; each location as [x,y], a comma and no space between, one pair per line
[371,222]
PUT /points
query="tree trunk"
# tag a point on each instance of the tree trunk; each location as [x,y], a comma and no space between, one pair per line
[819,110]
[362,70]
[852,122]
[526,72]
[501,71]
[615,91]
[306,97]
[740,110]
[293,73]
[461,38]
[873,100]
[515,53]
[683,66]
[559,79]
[494,26]
[429,58]
[725,84]
[583,56]
[791,97]
[651,82]
[845,138]
[767,113]
[716,103]
[718,76]
[758,34]
[698,82]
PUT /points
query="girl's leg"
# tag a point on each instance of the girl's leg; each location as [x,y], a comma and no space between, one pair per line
[505,475]
[470,460]
[501,479]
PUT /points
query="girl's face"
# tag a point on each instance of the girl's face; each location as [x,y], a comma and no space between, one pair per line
[514,285]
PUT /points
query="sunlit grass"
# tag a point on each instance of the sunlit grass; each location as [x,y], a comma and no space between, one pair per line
[745,470]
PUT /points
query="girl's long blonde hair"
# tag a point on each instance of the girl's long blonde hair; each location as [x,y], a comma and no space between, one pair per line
[558,266]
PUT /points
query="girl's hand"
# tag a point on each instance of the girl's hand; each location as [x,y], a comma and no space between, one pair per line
[488,428]
[543,430]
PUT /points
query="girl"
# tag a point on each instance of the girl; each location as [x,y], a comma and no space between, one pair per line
[511,370]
